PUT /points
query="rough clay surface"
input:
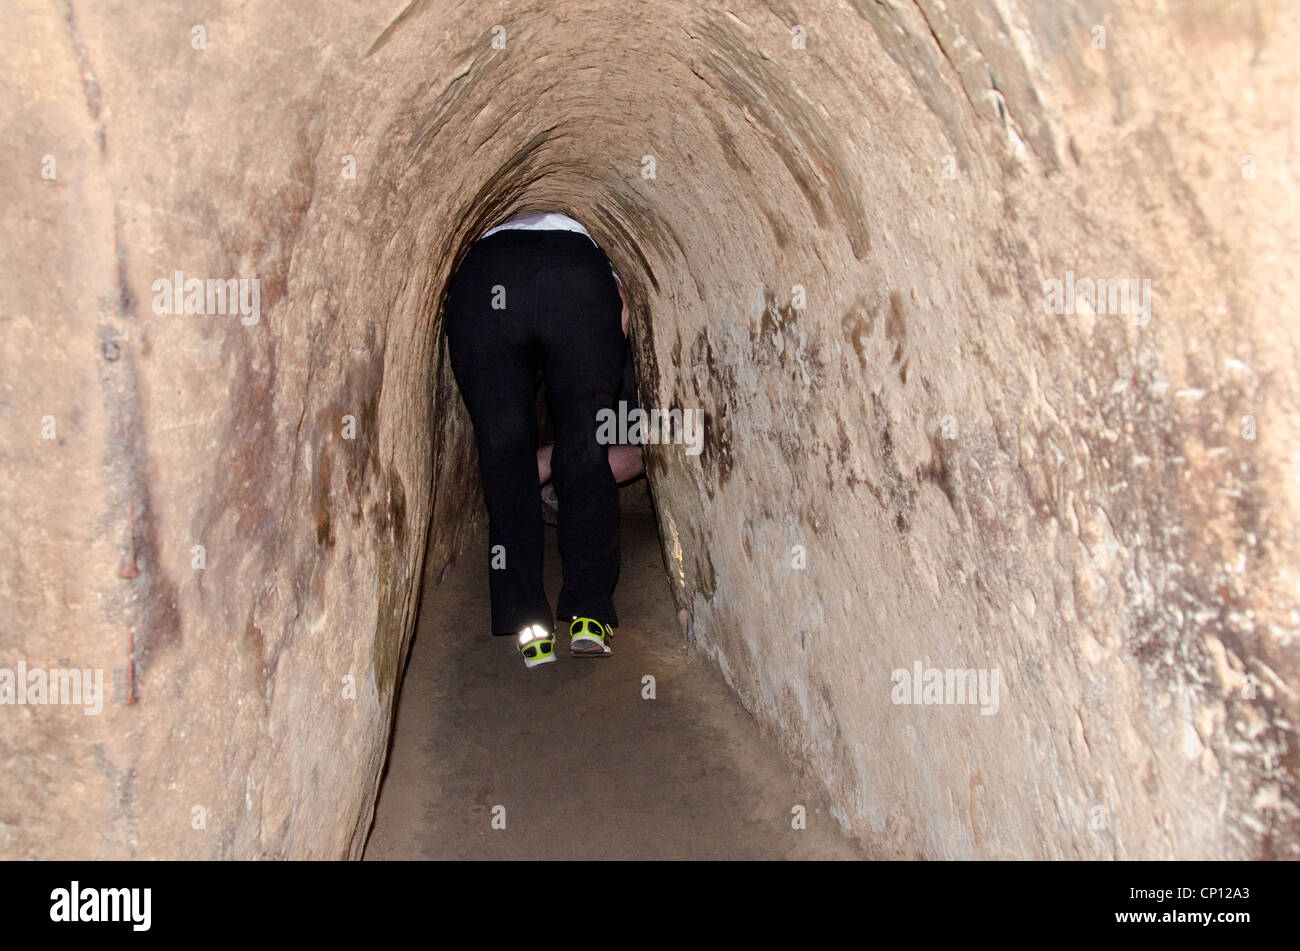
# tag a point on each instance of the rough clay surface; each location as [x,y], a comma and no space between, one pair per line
[1091,520]
[577,759]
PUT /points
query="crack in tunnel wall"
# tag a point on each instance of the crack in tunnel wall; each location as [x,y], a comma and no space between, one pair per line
[841,259]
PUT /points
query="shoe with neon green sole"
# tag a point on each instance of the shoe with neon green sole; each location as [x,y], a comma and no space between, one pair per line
[589,638]
[537,645]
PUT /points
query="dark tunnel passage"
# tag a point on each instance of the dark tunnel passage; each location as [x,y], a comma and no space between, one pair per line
[990,549]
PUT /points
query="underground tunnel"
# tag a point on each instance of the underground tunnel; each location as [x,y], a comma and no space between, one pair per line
[989,308]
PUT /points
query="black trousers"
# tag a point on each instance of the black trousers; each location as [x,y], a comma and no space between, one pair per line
[519,302]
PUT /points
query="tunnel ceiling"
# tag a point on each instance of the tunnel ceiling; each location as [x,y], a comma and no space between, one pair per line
[838,224]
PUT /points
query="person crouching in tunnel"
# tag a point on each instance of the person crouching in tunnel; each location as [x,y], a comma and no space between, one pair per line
[536,294]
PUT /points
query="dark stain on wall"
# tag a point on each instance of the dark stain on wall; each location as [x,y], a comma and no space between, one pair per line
[148,605]
[719,387]
[857,324]
[897,493]
[896,332]
[396,507]
[249,464]
[706,580]
[941,469]
[320,499]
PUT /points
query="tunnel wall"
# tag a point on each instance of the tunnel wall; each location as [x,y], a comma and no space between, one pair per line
[840,258]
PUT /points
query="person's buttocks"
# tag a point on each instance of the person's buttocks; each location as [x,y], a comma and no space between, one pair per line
[537,294]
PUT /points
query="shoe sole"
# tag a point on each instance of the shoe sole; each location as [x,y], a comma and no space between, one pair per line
[593,651]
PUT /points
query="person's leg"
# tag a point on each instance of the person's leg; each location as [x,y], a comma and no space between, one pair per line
[626,463]
[494,359]
[578,322]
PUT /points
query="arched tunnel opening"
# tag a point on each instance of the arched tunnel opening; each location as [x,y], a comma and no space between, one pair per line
[990,313]
[685,774]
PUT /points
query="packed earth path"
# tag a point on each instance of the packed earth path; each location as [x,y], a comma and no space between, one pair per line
[584,766]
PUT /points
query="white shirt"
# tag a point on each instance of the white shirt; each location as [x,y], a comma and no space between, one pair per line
[543,221]
[547,221]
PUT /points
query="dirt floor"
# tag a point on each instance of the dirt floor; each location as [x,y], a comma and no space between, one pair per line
[584,767]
